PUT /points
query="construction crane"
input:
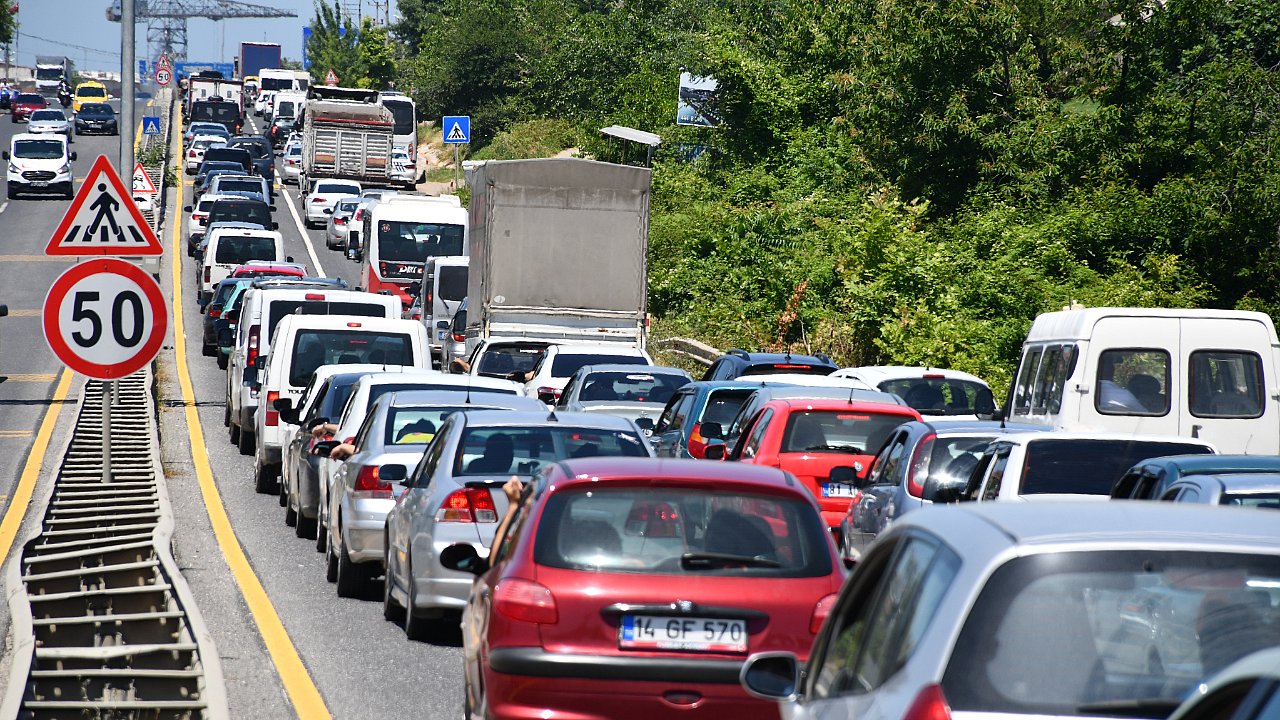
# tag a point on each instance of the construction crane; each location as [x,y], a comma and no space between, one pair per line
[167,19]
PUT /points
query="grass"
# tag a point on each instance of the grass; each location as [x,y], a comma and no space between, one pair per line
[532,139]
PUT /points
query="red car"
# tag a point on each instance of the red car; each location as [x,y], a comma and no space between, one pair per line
[25,104]
[810,437]
[268,268]
[635,589]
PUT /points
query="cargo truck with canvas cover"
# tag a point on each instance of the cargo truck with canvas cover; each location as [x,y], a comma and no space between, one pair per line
[559,251]
[346,139]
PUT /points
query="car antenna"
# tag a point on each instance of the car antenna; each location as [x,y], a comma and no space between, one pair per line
[468,389]
[551,416]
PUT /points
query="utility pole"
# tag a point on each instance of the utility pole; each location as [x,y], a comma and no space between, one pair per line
[127,69]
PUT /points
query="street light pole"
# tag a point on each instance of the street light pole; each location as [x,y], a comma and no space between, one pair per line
[127,69]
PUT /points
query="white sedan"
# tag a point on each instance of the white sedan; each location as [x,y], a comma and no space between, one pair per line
[195,151]
[324,196]
[50,121]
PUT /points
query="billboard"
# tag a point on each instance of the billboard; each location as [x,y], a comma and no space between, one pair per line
[699,97]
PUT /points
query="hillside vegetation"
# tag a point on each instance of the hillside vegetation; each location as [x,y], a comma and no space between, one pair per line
[900,181]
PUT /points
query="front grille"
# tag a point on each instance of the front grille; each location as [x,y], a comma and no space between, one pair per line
[38,175]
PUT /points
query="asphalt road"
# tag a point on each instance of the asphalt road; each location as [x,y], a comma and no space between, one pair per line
[363,666]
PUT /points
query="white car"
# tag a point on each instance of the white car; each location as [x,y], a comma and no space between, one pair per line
[195,151]
[291,162]
[204,128]
[560,362]
[324,196]
[403,169]
[262,102]
[949,394]
[49,121]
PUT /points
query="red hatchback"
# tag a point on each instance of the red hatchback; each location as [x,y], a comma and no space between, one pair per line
[633,588]
[809,438]
[25,104]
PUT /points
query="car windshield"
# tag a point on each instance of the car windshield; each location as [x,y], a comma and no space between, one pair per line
[681,531]
[38,149]
[47,115]
[409,241]
[1089,467]
[1270,501]
[525,450]
[203,143]
[96,110]
[50,73]
[565,364]
[1107,633]
[91,91]
[630,387]
[502,360]
[838,431]
[402,113]
[293,151]
[237,250]
[345,347]
[935,396]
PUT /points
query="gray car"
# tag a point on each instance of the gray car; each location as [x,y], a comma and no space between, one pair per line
[1037,609]
[453,496]
[1260,490]
[636,392]
[335,234]
[396,431]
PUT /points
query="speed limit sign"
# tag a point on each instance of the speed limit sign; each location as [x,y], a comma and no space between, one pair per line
[105,318]
[163,76]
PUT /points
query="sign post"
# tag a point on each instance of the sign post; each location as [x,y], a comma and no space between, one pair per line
[457,131]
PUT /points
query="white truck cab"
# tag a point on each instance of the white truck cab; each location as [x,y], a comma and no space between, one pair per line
[39,164]
[1207,374]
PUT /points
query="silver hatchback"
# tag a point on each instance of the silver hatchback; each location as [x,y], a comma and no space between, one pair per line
[454,496]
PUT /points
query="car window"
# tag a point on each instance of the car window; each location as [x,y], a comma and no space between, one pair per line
[884,471]
[995,478]
[614,386]
[1226,384]
[1171,494]
[415,425]
[942,396]
[837,431]
[1023,387]
[502,360]
[317,402]
[1089,467]
[314,348]
[1056,366]
[565,365]
[525,450]
[674,414]
[426,468]
[751,445]
[237,250]
[723,405]
[1133,381]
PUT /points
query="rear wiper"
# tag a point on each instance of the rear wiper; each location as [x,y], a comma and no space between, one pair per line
[1133,707]
[695,560]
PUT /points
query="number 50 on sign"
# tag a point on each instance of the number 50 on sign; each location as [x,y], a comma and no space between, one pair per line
[105,318]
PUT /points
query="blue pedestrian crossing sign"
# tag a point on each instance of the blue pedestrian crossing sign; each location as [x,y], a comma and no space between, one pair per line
[457,129]
[151,125]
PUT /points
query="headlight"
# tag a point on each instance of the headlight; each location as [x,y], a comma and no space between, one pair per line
[14,168]
[65,168]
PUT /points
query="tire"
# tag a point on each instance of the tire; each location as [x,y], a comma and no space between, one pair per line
[330,563]
[305,528]
[322,536]
[222,360]
[235,432]
[283,494]
[264,479]
[391,610]
[226,414]
[290,517]
[246,443]
[208,350]
[417,629]
[352,578]
[11,193]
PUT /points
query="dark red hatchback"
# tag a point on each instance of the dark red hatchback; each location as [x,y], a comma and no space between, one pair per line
[635,588]
[25,104]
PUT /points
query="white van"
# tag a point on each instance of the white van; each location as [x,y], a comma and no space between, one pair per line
[303,343]
[444,287]
[401,232]
[228,247]
[41,164]
[261,311]
[288,103]
[1207,374]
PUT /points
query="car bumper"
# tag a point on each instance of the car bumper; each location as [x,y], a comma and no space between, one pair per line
[60,184]
[363,523]
[247,409]
[97,129]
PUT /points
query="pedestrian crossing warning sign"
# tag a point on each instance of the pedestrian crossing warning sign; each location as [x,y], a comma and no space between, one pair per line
[103,220]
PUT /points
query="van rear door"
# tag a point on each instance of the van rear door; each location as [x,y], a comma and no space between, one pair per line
[1133,375]
[1230,380]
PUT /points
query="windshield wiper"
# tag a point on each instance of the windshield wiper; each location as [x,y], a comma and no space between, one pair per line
[695,560]
[1133,707]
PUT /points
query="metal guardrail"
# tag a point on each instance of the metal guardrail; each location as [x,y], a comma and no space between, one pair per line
[699,352]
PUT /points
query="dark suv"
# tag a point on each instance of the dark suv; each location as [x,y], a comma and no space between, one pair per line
[259,149]
[736,363]
[217,110]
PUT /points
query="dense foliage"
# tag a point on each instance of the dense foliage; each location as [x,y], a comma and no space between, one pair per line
[911,180]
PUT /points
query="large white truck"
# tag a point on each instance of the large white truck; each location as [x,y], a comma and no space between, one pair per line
[346,135]
[559,251]
[51,71]
[207,88]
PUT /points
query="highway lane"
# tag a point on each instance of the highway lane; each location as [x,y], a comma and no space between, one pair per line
[363,666]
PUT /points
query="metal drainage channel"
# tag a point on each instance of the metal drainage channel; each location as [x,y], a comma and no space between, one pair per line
[111,616]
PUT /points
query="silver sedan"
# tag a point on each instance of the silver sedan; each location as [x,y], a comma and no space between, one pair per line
[453,496]
[635,392]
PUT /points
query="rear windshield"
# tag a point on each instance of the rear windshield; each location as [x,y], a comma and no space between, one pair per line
[408,241]
[630,387]
[723,405]
[285,108]
[337,188]
[1270,501]
[565,365]
[942,397]
[502,360]
[237,250]
[235,185]
[258,213]
[452,282]
[416,426]
[345,347]
[681,531]
[838,431]
[254,149]
[91,91]
[224,291]
[952,460]
[229,154]
[790,368]
[217,112]
[280,308]
[1089,467]
[525,450]
[1101,633]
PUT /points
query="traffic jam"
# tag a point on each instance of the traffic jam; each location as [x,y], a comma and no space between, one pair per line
[484,445]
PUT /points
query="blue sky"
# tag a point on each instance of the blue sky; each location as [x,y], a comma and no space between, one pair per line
[80,30]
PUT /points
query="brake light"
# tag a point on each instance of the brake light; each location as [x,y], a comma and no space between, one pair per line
[272,417]
[468,505]
[313,296]
[459,337]
[252,355]
[353,324]
[934,376]
[785,366]
[427,302]
[930,704]
[192,153]
[368,484]
[360,215]
[318,201]
[526,601]
[697,443]
[339,221]
[554,392]
[417,315]
[820,612]
[206,274]
[215,313]
[919,467]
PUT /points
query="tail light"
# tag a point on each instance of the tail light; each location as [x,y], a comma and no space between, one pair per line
[417,315]
[697,443]
[459,337]
[427,303]
[191,153]
[368,484]
[207,272]
[468,505]
[554,392]
[251,356]
[930,704]
[215,312]
[919,467]
[654,520]
[526,601]
[339,221]
[272,417]
[820,613]
[360,215]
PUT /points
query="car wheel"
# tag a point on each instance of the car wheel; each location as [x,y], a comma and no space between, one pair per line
[11,193]
[415,628]
[290,517]
[222,361]
[264,479]
[208,350]
[391,610]
[322,536]
[283,491]
[352,577]
[246,443]
[235,432]
[330,563]
[305,528]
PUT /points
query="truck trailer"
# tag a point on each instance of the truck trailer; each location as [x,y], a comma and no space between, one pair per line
[257,56]
[346,135]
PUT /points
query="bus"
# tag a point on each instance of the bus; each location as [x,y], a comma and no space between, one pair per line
[400,232]
[405,112]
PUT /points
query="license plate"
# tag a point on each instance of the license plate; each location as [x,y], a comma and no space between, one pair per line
[656,632]
[39,183]
[837,490]
[440,335]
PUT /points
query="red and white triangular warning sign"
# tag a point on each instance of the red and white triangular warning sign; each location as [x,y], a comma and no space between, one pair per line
[103,220]
[331,78]
[142,181]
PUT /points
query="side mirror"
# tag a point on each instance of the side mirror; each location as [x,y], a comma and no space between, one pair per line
[711,431]
[393,473]
[324,447]
[941,494]
[327,211]
[415,288]
[288,258]
[463,558]
[283,405]
[771,676]
[260,362]
[6,154]
[4,310]
[645,424]
[73,156]
[250,376]
[547,398]
[715,452]
[186,208]
[275,225]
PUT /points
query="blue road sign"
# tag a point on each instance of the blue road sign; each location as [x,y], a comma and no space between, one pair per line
[142,69]
[189,68]
[150,124]
[457,129]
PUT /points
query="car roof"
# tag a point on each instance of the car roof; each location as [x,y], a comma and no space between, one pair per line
[39,136]
[881,373]
[1103,525]
[1242,483]
[835,404]
[597,349]
[1211,464]
[622,367]
[387,376]
[767,393]
[585,471]
[1022,438]
[946,428]
[765,358]
[599,421]
[429,398]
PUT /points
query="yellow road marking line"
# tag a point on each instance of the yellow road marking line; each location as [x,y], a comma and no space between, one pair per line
[301,689]
[9,434]
[27,377]
[137,140]
[36,258]
[12,521]
[26,312]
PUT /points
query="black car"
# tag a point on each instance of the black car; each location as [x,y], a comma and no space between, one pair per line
[205,181]
[96,119]
[231,154]
[279,130]
[260,153]
[736,363]
[219,111]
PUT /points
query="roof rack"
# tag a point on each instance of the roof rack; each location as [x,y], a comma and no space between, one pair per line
[738,352]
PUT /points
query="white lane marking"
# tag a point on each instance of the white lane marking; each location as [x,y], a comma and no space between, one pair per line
[306,238]
[4,206]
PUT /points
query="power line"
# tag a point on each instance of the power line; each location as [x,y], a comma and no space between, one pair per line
[63,43]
